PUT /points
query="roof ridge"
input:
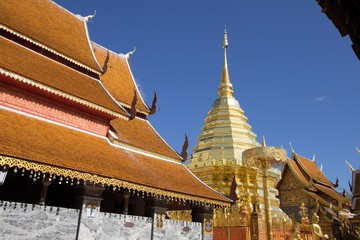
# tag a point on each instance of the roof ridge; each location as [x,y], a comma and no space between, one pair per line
[50,49]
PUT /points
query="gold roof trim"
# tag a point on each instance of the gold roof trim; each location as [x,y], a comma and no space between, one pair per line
[48,49]
[68,173]
[141,151]
[61,93]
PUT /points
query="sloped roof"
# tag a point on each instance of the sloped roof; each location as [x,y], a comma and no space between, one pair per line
[299,174]
[94,158]
[45,23]
[312,170]
[315,183]
[140,134]
[37,68]
[118,79]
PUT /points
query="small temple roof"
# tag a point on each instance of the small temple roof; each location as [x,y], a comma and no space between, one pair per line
[35,144]
[298,173]
[39,69]
[51,27]
[313,179]
[312,170]
[118,79]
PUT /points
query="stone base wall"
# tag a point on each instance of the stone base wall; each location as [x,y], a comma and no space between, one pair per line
[114,226]
[27,221]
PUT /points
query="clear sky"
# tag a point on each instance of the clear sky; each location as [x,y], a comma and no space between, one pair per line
[294,75]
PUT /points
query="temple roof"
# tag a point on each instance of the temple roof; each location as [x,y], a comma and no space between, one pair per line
[55,77]
[118,79]
[35,144]
[46,24]
[138,132]
[127,153]
[315,183]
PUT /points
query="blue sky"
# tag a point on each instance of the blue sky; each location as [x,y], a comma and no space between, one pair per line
[295,77]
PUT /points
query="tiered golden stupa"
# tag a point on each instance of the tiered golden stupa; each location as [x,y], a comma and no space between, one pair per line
[217,157]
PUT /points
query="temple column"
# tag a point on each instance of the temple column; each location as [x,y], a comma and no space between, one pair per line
[89,197]
[268,219]
[155,205]
[46,183]
[256,224]
[205,215]
[126,202]
[156,209]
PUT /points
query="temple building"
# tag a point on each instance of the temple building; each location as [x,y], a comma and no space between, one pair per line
[75,137]
[304,185]
[218,160]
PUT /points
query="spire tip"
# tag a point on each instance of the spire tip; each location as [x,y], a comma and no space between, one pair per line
[225,42]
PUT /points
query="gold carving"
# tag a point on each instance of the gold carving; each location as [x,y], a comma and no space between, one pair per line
[67,173]
[208,226]
[304,214]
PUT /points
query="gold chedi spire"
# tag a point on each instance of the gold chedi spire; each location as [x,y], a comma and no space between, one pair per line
[226,132]
[218,153]
[225,88]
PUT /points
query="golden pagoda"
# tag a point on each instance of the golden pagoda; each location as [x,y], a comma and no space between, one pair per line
[217,157]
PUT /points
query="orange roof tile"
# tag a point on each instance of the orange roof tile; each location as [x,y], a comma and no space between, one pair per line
[321,199]
[47,23]
[298,173]
[118,77]
[311,168]
[38,68]
[35,140]
[139,133]
[330,192]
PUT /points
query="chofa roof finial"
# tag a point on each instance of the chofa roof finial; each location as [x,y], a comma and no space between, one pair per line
[263,144]
[292,149]
[89,17]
